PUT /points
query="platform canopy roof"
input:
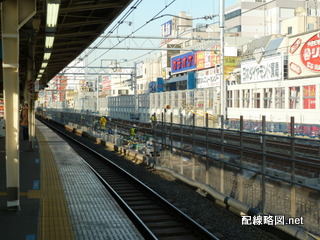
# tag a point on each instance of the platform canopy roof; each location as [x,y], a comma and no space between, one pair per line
[79,23]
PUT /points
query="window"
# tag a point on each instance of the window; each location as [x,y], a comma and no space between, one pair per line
[229,98]
[289,30]
[236,98]
[267,97]
[122,92]
[310,27]
[279,97]
[235,29]
[245,98]
[309,94]
[233,14]
[256,98]
[294,97]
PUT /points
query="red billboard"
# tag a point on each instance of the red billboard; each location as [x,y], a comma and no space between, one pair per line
[309,97]
[310,53]
[304,55]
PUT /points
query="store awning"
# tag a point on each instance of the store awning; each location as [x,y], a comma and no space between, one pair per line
[178,79]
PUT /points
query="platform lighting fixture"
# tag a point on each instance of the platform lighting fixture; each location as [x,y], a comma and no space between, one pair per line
[44,64]
[41,71]
[49,41]
[39,77]
[52,13]
[46,56]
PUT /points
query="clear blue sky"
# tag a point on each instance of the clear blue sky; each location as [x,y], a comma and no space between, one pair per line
[147,10]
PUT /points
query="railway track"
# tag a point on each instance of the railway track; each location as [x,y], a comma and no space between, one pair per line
[154,216]
[281,153]
[304,148]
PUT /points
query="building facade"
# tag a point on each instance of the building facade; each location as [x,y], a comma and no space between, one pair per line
[257,18]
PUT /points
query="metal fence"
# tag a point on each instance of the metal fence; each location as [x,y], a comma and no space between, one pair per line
[257,181]
[180,103]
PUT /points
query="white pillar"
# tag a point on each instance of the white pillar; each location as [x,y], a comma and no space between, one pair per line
[10,48]
[12,18]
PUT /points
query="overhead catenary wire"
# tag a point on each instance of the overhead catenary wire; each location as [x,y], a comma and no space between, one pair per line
[134,7]
[120,22]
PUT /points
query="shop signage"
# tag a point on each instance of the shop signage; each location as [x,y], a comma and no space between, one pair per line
[183,63]
[166,29]
[309,97]
[304,55]
[208,78]
[106,83]
[269,69]
[310,53]
[208,59]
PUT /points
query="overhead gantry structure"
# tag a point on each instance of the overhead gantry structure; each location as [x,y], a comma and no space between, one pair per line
[39,38]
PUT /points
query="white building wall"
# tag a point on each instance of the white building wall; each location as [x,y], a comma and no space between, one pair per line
[264,20]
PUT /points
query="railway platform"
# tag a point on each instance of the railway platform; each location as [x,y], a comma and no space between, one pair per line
[60,197]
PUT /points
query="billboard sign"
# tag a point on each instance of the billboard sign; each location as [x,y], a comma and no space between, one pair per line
[183,63]
[152,87]
[106,83]
[166,29]
[208,78]
[139,69]
[304,55]
[309,97]
[208,59]
[269,69]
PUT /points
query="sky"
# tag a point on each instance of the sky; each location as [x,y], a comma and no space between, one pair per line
[139,23]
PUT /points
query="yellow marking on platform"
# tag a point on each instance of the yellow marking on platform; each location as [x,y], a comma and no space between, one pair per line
[34,194]
[21,194]
[55,221]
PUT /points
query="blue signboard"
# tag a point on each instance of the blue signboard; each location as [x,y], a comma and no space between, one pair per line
[166,29]
[191,80]
[160,83]
[152,87]
[183,63]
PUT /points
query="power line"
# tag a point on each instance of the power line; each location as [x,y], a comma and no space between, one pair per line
[110,32]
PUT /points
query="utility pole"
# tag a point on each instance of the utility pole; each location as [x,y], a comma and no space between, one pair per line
[134,83]
[222,82]
[97,89]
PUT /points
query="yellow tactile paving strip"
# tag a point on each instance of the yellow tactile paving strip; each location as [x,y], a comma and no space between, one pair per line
[55,222]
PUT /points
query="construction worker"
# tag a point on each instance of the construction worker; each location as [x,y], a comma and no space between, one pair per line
[133,131]
[153,120]
[103,123]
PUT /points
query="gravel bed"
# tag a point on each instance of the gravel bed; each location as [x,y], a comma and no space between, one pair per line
[214,218]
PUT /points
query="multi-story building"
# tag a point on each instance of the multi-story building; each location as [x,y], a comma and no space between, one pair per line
[257,18]
[299,23]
